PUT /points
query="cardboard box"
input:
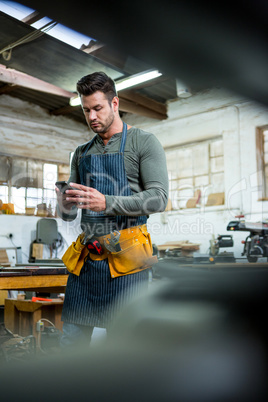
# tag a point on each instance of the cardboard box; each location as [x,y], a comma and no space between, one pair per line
[37,250]
[29,210]
[4,261]
[8,208]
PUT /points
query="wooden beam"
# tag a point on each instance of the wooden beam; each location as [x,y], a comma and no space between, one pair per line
[63,110]
[143,101]
[6,89]
[34,282]
[131,107]
[14,77]
[130,102]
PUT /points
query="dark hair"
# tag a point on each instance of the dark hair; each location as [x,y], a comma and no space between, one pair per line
[99,81]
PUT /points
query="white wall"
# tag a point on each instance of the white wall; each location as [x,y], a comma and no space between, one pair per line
[23,229]
[203,116]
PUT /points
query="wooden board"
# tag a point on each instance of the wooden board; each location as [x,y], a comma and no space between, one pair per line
[47,283]
[184,244]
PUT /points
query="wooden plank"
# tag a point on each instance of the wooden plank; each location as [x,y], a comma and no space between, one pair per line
[131,107]
[172,245]
[33,282]
[143,101]
[262,190]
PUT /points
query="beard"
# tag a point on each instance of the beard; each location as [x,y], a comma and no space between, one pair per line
[101,127]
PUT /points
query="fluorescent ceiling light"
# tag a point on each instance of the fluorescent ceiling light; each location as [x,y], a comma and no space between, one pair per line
[126,83]
[75,101]
[136,79]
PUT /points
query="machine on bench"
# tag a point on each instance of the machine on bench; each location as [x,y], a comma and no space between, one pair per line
[222,241]
[256,243]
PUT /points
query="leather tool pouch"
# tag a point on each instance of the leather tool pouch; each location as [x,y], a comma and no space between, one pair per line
[74,257]
[136,252]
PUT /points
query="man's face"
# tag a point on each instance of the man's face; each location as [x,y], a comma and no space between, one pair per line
[99,113]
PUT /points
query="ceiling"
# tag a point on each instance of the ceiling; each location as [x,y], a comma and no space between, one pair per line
[55,62]
[204,44]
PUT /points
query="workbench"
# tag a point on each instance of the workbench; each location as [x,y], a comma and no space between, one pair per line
[21,316]
[34,279]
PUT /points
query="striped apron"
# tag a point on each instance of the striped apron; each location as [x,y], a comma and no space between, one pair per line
[93,298]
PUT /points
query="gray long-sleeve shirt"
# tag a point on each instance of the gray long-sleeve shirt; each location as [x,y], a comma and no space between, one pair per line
[146,170]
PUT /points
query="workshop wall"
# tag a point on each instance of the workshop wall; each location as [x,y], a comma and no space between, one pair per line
[29,130]
[215,112]
[23,230]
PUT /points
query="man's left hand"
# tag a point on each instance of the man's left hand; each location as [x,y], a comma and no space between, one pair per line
[87,197]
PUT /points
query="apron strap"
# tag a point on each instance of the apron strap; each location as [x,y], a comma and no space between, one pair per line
[123,139]
[88,146]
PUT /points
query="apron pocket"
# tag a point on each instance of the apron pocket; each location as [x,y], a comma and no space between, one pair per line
[135,258]
[75,256]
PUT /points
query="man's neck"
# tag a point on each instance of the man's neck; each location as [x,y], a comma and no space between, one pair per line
[117,127]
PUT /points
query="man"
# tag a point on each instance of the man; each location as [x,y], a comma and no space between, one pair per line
[118,179]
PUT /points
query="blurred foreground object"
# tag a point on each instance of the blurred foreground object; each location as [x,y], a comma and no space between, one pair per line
[199,335]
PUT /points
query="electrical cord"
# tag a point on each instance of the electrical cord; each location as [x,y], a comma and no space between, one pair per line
[58,246]
[17,247]
[39,334]
[45,319]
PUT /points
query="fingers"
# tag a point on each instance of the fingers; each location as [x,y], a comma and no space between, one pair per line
[81,192]
[75,193]
[86,197]
[79,186]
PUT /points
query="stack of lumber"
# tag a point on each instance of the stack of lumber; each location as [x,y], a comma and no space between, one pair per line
[185,247]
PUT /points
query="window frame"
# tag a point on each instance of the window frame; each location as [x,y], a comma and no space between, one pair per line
[193,177]
[43,198]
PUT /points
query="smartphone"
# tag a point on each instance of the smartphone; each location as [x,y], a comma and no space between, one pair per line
[63,186]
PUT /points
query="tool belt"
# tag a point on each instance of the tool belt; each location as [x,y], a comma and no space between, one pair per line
[75,255]
[136,253]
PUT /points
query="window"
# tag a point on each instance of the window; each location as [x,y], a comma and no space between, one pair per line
[4,194]
[27,183]
[195,166]
[262,161]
